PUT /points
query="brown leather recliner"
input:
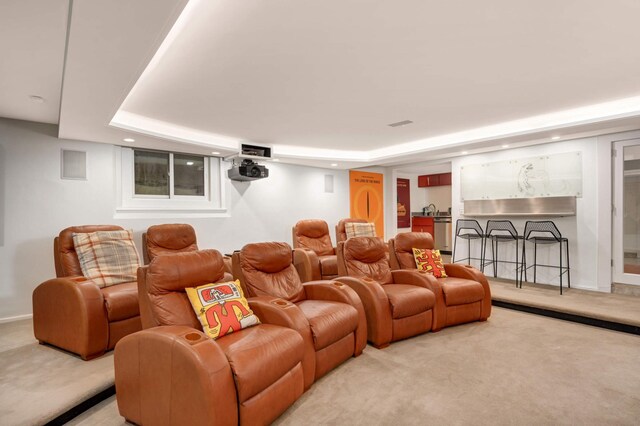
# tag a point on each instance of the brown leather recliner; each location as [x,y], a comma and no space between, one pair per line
[175,374]
[313,254]
[462,297]
[73,313]
[170,239]
[398,304]
[328,315]
[341,233]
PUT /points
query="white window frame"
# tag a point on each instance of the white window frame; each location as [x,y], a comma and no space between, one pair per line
[619,276]
[131,205]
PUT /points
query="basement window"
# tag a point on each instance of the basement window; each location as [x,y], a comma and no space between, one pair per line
[169,175]
[168,184]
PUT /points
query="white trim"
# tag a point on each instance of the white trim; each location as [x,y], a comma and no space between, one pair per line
[16,318]
[596,113]
[619,276]
[131,206]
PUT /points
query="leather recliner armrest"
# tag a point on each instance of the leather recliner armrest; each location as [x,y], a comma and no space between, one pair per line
[338,292]
[471,273]
[277,311]
[376,307]
[174,375]
[307,264]
[69,313]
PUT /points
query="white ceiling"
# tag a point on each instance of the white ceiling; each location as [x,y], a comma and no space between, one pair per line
[32,43]
[321,81]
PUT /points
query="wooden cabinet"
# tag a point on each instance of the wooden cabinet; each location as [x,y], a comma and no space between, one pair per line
[422,224]
[445,179]
[439,179]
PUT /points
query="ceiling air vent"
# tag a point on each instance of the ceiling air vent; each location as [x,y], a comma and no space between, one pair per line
[400,123]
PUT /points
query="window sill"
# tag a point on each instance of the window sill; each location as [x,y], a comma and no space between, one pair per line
[167,213]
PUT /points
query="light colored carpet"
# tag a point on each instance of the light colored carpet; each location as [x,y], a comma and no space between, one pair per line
[515,369]
[624,309]
[38,383]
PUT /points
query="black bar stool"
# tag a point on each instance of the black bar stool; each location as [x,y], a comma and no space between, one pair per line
[539,229]
[501,231]
[469,229]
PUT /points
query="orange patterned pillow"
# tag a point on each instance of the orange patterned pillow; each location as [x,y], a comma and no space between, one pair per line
[221,308]
[430,261]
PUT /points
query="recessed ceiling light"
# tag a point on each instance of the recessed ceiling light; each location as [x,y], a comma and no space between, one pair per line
[215,152]
[276,159]
[189,163]
[129,140]
[555,138]
[465,152]
[400,123]
[505,146]
[37,99]
[334,164]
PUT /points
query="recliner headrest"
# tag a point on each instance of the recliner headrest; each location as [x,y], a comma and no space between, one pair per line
[406,241]
[268,257]
[181,270]
[365,249]
[312,228]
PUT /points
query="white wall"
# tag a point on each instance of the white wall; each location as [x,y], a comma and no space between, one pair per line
[589,254]
[38,204]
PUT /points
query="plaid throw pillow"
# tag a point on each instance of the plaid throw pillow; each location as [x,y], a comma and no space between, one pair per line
[430,261]
[356,229]
[107,257]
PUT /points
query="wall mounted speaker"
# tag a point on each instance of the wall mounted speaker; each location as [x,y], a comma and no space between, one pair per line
[74,165]
[328,183]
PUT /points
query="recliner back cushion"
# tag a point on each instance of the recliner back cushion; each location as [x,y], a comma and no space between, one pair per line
[167,278]
[268,271]
[406,242]
[366,257]
[314,235]
[169,239]
[67,259]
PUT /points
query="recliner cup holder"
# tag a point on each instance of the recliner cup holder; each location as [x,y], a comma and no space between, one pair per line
[193,337]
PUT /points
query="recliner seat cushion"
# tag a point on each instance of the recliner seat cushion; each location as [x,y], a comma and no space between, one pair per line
[121,301]
[408,300]
[261,355]
[329,265]
[460,291]
[330,321]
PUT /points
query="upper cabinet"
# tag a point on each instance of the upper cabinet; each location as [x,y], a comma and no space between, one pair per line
[439,179]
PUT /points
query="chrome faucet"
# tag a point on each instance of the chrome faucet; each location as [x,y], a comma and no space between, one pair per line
[430,209]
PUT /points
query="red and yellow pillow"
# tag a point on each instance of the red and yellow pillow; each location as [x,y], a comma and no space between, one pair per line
[430,261]
[221,308]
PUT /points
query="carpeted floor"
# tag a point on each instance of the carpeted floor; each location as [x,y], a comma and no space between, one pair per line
[515,369]
[38,383]
[624,309]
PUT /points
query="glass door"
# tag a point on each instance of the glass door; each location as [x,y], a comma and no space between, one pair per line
[626,214]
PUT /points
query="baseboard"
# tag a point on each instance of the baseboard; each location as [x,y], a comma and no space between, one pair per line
[16,318]
[610,325]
